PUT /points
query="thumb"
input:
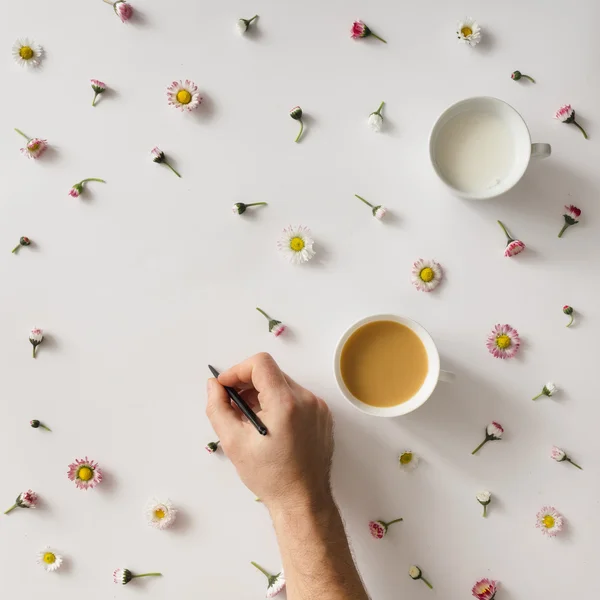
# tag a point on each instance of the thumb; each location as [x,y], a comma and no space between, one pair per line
[223,417]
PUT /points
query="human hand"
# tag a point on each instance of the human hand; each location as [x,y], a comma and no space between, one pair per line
[289,466]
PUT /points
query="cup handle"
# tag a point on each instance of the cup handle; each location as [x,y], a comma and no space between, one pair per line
[541,150]
[447,376]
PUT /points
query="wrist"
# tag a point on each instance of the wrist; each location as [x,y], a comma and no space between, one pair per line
[302,505]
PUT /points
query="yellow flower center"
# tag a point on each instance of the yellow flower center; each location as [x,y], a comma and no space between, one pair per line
[34,147]
[25,52]
[49,558]
[297,244]
[85,473]
[184,97]
[548,521]
[503,341]
[406,458]
[466,31]
[427,274]
[159,513]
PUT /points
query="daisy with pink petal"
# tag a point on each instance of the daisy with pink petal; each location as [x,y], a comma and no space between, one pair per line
[275,327]
[85,473]
[566,114]
[513,247]
[378,211]
[559,455]
[275,583]
[503,341]
[212,447]
[568,310]
[493,432]
[99,87]
[26,499]
[485,589]
[426,275]
[79,188]
[36,337]
[571,214]
[360,30]
[122,9]
[35,146]
[184,95]
[550,521]
[379,529]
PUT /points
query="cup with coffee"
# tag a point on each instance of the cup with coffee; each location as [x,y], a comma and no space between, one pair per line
[387,365]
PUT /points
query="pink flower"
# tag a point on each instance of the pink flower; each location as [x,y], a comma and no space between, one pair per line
[99,87]
[212,447]
[493,432]
[503,341]
[378,529]
[550,521]
[566,114]
[75,192]
[571,214]
[485,589]
[513,246]
[35,148]
[278,329]
[124,10]
[26,499]
[360,30]
[85,473]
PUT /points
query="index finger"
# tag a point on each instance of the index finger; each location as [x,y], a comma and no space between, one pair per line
[260,370]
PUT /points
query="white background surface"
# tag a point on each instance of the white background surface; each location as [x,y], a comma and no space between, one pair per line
[148,278]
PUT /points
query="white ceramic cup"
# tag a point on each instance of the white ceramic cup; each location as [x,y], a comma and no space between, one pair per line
[481,147]
[434,374]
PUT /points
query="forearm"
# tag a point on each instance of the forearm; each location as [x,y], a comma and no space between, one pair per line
[314,550]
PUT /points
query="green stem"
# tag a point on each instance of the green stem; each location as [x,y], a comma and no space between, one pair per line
[266,573]
[527,77]
[585,135]
[91,179]
[379,38]
[172,169]
[148,575]
[262,312]
[257,204]
[538,396]
[21,133]
[574,464]
[394,521]
[485,510]
[480,446]
[94,100]
[365,201]
[252,19]
[300,132]
[506,232]
[378,111]
[16,248]
[565,227]
[44,427]
[109,2]
[426,582]
[571,321]
[10,509]
[34,350]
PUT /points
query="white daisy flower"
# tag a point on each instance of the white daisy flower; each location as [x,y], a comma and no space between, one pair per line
[27,53]
[275,583]
[550,521]
[50,559]
[243,24]
[426,275]
[160,514]
[484,498]
[297,244]
[468,32]
[184,95]
[408,460]
[376,119]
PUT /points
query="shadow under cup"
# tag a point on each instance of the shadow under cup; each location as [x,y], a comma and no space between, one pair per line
[422,394]
[480,147]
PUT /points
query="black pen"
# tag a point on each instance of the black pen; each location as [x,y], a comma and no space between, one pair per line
[241,404]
